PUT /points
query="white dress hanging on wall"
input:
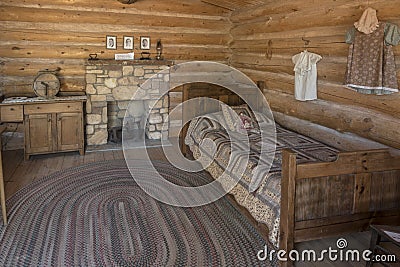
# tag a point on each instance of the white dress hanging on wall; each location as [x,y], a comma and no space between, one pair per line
[305,86]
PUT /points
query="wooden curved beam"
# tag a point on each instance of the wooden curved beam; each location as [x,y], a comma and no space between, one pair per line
[127,1]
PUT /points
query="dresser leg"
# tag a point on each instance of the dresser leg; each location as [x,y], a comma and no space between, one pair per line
[2,191]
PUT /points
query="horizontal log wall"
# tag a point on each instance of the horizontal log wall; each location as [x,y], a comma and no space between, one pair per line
[266,37]
[51,34]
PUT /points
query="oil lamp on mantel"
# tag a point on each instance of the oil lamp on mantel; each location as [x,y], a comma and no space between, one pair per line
[159,49]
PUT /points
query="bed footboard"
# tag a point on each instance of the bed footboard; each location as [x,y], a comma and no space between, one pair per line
[330,198]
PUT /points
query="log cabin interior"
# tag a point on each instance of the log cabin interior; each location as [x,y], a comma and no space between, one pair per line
[64,97]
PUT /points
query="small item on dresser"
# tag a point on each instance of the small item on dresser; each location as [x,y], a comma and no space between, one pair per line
[46,84]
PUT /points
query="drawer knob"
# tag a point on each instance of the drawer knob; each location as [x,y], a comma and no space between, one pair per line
[38,107]
[12,109]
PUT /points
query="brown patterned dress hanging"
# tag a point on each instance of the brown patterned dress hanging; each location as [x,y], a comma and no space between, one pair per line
[371,67]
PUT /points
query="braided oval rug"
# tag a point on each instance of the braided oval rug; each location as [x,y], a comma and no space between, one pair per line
[96,215]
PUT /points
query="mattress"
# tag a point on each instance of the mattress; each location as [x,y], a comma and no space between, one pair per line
[264,202]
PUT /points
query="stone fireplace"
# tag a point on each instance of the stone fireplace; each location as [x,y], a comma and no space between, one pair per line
[110,86]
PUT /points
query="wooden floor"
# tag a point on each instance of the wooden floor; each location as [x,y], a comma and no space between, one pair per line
[19,173]
[356,241]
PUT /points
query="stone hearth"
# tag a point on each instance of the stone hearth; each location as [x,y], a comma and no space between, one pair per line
[110,86]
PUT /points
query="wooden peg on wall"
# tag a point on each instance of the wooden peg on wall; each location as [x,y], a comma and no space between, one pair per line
[268,53]
[306,42]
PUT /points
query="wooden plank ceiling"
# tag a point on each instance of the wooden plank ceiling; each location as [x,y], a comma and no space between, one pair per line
[234,4]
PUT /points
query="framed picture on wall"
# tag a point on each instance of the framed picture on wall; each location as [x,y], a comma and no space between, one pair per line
[128,42]
[111,42]
[144,42]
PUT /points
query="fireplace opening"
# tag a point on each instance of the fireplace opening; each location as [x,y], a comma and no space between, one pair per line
[116,112]
[135,112]
[115,135]
[114,123]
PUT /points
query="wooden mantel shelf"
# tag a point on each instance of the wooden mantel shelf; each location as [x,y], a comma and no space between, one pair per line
[129,62]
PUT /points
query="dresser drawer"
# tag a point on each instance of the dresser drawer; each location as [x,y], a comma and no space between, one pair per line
[53,108]
[12,113]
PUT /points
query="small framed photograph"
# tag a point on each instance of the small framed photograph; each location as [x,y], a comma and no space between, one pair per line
[128,42]
[111,42]
[144,42]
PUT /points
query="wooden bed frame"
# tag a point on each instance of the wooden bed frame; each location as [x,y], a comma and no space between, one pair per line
[326,199]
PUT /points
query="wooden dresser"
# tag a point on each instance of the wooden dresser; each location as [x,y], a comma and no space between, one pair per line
[51,125]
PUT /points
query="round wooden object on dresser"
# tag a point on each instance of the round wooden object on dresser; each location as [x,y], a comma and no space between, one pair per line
[46,84]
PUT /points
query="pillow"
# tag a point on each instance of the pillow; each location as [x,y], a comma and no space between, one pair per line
[218,119]
[239,118]
[263,120]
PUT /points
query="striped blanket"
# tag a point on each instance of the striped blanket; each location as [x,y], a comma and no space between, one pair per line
[264,203]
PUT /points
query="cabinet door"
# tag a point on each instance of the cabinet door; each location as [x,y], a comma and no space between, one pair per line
[38,133]
[69,131]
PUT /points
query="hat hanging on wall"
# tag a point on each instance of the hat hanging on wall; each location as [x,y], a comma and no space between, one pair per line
[368,22]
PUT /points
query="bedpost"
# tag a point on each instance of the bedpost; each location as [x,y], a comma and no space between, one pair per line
[182,134]
[288,190]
